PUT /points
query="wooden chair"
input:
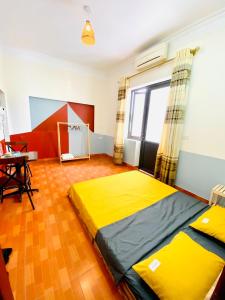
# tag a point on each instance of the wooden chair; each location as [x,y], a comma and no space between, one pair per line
[18,146]
[18,179]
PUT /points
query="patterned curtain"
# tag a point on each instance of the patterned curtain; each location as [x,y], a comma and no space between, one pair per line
[169,148]
[120,117]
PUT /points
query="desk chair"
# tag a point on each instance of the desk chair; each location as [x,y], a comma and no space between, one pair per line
[18,179]
[18,146]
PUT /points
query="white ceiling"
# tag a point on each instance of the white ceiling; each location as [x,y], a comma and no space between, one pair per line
[53,27]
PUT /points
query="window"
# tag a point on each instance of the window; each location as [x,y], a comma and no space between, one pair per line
[147,112]
[136,113]
[156,114]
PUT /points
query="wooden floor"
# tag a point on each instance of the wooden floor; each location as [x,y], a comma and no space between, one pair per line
[52,256]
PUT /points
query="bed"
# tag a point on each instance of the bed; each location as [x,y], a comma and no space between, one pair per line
[106,200]
[131,215]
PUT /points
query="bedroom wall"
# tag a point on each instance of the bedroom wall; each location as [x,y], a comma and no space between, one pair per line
[45,113]
[29,74]
[2,97]
[45,77]
[202,159]
[1,70]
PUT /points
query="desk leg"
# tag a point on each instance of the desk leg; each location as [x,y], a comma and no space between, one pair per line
[33,190]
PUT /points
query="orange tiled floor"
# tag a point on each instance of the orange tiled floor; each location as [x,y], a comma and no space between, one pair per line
[52,256]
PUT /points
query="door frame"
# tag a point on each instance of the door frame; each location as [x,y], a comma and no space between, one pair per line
[150,88]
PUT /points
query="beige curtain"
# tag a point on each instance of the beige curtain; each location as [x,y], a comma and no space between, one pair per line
[120,118]
[169,148]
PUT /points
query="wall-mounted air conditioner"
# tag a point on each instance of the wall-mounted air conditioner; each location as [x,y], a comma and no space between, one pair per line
[152,57]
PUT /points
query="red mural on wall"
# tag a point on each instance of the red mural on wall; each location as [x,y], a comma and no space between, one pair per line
[43,138]
[85,112]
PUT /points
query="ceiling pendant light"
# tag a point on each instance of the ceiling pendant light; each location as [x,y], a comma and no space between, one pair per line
[88,35]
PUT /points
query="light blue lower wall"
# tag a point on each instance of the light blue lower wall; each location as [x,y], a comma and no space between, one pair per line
[101,144]
[199,173]
[196,173]
[109,144]
[104,144]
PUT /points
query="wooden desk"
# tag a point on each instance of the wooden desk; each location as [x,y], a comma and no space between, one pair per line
[31,155]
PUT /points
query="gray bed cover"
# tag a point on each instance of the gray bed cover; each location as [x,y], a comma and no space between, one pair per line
[133,239]
[127,241]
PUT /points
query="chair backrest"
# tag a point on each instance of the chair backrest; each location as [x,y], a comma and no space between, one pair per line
[17,146]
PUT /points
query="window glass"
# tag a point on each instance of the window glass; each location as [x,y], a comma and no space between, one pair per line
[138,104]
[156,114]
[148,123]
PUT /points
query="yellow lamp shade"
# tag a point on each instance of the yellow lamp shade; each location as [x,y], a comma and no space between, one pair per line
[88,35]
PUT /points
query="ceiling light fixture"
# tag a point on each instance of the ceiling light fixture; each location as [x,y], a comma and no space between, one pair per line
[88,35]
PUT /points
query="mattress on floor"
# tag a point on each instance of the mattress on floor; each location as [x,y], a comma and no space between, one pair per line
[104,201]
[124,243]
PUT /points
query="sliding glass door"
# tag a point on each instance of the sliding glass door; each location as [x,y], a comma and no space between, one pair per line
[156,99]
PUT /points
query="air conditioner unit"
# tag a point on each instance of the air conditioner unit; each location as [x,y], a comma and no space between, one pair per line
[152,57]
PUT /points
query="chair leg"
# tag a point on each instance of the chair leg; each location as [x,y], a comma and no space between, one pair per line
[29,170]
[1,195]
[9,169]
[21,194]
[30,189]
[31,202]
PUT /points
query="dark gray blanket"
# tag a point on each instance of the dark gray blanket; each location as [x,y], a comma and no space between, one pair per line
[126,242]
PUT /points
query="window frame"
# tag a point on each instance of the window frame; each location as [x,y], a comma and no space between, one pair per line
[131,113]
[147,100]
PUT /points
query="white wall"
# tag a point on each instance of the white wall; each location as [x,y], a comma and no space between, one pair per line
[205,121]
[40,76]
[2,96]
[1,70]
[204,131]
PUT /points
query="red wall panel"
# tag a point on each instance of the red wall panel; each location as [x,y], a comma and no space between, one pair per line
[85,112]
[44,137]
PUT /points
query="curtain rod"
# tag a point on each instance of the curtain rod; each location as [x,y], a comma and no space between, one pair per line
[193,51]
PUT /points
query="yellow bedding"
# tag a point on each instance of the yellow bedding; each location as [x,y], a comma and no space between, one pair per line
[105,200]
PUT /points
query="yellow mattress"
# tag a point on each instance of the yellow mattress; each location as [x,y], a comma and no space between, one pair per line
[105,200]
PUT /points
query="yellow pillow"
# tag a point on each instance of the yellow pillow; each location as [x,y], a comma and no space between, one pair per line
[182,270]
[212,222]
